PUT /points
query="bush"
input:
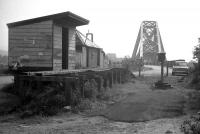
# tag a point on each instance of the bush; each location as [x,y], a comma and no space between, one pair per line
[8,103]
[191,126]
[75,98]
[47,101]
[104,96]
[9,88]
[51,105]
[195,79]
[90,89]
[85,104]
[46,106]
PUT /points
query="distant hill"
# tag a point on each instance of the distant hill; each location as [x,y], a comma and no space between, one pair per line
[3,52]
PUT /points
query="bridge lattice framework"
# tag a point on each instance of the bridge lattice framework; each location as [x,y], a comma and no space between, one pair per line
[148,43]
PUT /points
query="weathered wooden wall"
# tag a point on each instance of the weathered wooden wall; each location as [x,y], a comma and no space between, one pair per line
[57,56]
[81,58]
[92,57]
[31,44]
[81,53]
[84,59]
[57,47]
[102,59]
[40,45]
[71,50]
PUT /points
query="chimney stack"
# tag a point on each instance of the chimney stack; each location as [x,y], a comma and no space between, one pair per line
[91,36]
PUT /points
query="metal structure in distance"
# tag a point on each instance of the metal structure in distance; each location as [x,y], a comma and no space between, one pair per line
[148,43]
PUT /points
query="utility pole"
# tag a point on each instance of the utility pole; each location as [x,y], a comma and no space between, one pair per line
[161,84]
[167,68]
[139,65]
[161,59]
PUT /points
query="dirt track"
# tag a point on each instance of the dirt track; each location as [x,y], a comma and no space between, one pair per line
[145,104]
[142,103]
[133,101]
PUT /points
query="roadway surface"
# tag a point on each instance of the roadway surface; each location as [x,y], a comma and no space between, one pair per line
[154,71]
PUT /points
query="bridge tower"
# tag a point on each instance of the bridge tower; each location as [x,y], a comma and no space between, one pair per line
[148,43]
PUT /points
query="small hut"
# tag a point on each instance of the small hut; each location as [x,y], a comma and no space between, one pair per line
[44,43]
[88,54]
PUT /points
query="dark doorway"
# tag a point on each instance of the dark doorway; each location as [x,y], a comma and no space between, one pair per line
[98,57]
[65,45]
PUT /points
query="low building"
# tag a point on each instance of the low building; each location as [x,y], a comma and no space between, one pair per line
[111,56]
[89,55]
[51,43]
[114,61]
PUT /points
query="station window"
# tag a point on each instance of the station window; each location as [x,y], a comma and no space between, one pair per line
[78,48]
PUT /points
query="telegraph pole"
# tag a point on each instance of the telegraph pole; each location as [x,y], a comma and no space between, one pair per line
[161,59]
[161,84]
[167,68]
[139,65]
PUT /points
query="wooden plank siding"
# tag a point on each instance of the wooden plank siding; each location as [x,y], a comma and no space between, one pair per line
[71,49]
[40,45]
[102,59]
[81,58]
[92,57]
[31,44]
[57,47]
[84,58]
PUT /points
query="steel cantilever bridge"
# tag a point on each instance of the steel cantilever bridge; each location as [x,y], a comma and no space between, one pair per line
[148,43]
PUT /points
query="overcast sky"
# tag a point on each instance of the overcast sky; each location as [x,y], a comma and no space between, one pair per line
[116,23]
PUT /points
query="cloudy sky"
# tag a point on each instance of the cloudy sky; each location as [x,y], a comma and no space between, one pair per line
[115,23]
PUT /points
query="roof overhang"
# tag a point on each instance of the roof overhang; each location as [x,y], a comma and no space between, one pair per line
[60,17]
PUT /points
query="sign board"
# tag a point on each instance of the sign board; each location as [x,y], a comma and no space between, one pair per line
[161,57]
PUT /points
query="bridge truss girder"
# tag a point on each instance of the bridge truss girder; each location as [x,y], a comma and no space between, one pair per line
[148,43]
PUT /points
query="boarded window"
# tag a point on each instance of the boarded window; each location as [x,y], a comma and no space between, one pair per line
[78,48]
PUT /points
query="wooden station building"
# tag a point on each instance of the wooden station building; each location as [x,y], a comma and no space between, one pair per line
[49,50]
[52,43]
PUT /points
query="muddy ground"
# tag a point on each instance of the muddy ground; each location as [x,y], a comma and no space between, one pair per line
[134,107]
